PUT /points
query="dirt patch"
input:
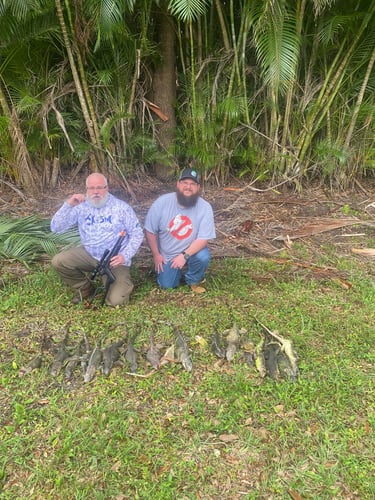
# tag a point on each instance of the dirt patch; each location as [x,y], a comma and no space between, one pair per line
[249,220]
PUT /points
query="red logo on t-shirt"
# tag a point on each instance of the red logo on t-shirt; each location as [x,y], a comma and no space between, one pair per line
[180,227]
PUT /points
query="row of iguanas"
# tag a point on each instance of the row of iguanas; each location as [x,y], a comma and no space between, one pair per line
[273,355]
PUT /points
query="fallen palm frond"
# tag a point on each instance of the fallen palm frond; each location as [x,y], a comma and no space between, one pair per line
[318,226]
[29,239]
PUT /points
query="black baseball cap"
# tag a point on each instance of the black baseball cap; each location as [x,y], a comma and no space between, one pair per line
[190,173]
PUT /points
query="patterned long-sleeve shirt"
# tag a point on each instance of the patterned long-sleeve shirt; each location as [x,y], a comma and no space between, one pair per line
[99,228]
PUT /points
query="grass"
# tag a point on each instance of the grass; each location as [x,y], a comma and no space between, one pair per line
[219,431]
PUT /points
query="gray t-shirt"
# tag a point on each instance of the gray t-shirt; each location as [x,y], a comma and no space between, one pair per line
[177,227]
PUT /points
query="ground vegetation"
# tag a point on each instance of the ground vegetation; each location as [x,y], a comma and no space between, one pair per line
[300,265]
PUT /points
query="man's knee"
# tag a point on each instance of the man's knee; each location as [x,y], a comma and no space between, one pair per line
[169,277]
[119,292]
[165,283]
[57,261]
[203,256]
[118,298]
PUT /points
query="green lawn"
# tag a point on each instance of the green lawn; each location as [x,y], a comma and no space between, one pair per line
[219,431]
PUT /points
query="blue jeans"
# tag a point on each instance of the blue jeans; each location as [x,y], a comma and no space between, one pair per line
[196,267]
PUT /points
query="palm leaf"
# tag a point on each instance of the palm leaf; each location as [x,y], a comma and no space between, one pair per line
[188,10]
[29,239]
[277,46]
[19,247]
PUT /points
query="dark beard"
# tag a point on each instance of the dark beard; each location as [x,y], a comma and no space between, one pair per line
[187,201]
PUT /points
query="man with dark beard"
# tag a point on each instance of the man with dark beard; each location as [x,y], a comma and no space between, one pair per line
[100,218]
[178,227]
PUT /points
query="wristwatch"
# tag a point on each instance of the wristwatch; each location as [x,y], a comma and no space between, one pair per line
[186,256]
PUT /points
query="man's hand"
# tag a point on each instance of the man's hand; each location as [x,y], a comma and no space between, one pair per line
[76,199]
[117,260]
[178,262]
[158,262]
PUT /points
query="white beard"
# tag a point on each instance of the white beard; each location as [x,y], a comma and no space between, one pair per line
[97,203]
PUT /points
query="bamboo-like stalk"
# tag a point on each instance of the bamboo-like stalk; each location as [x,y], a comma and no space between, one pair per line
[95,126]
[193,86]
[77,81]
[236,74]
[22,166]
[223,28]
[330,89]
[245,27]
[360,96]
[300,10]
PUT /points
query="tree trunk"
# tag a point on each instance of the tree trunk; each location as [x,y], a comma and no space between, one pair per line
[360,96]
[21,162]
[164,86]
[90,120]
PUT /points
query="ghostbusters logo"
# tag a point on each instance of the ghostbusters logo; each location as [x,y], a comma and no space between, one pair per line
[180,227]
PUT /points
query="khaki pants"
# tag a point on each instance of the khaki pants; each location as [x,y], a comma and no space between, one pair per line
[73,266]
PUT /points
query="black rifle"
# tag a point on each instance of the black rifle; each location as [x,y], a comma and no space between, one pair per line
[103,268]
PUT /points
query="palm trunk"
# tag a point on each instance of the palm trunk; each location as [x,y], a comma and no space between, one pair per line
[93,133]
[164,86]
[359,101]
[292,88]
[330,88]
[222,25]
[21,162]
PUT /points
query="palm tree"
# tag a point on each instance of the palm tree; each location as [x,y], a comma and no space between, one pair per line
[17,159]
[268,88]
[20,162]
[163,92]
[72,47]
[335,82]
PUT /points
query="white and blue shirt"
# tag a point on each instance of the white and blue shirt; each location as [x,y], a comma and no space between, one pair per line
[100,228]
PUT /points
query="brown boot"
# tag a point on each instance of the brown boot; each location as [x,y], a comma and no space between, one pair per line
[82,293]
[197,288]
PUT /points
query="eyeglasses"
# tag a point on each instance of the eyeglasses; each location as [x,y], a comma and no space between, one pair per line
[96,188]
[188,183]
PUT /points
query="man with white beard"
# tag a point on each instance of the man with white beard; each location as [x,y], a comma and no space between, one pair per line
[100,218]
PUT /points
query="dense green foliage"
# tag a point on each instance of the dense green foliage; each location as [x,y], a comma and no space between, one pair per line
[275,90]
